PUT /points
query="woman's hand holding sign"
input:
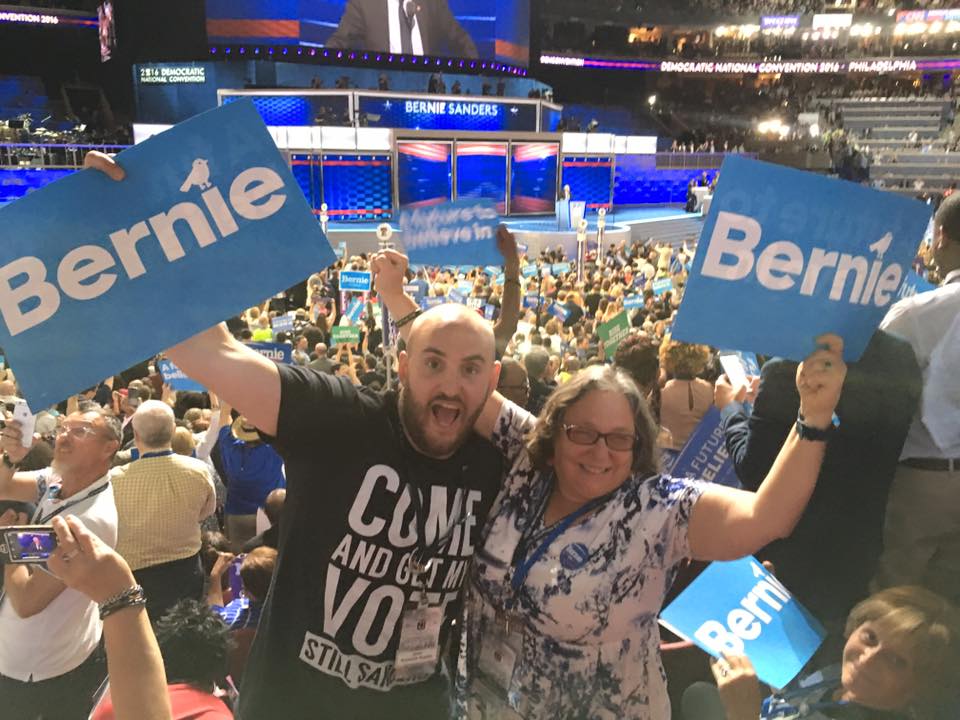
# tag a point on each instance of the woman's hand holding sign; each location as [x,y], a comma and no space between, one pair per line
[819,381]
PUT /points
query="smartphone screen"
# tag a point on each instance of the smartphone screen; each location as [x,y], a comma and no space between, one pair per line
[25,545]
[733,367]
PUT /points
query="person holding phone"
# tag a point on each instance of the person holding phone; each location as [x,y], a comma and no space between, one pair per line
[49,633]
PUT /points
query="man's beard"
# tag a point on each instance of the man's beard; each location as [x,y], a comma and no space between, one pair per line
[414,417]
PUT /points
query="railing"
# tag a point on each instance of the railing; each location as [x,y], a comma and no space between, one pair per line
[693,161]
[37,155]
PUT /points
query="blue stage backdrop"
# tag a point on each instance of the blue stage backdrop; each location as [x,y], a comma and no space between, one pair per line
[638,181]
[589,180]
[533,178]
[284,110]
[15,184]
[425,173]
[448,113]
[357,187]
[500,31]
[306,170]
[482,172]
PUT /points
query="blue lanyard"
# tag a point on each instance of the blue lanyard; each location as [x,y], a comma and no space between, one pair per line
[523,562]
[161,453]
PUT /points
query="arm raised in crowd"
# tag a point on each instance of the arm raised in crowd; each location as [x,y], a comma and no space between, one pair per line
[727,523]
[239,375]
[138,684]
[506,325]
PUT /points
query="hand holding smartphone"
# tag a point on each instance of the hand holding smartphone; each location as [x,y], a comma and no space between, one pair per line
[27,544]
[27,420]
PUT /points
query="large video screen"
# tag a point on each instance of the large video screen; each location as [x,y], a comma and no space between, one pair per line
[450,28]
[482,172]
[424,173]
[533,178]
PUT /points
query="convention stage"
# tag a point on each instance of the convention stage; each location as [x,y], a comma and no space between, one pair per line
[662,223]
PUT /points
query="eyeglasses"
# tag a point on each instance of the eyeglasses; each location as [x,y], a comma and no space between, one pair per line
[77,432]
[580,435]
[522,386]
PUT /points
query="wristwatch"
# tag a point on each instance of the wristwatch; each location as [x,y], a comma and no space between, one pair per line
[808,432]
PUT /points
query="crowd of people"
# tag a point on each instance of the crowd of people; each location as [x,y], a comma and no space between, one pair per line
[478,521]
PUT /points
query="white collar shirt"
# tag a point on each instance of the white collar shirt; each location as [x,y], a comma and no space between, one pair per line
[928,321]
[393,16]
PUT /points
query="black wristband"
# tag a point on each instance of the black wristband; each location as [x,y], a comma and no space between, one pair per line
[808,432]
[409,318]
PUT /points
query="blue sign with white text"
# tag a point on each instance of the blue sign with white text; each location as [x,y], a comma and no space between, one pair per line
[787,255]
[355,281]
[282,323]
[739,608]
[447,114]
[704,456]
[176,379]
[210,203]
[529,270]
[278,352]
[464,231]
[661,286]
[531,302]
[633,301]
[559,312]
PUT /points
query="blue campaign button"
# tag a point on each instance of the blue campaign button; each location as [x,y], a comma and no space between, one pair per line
[574,556]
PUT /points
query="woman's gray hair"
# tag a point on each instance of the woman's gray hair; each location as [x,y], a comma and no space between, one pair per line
[543,437]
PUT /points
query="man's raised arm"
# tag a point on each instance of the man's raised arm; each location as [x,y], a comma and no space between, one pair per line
[240,376]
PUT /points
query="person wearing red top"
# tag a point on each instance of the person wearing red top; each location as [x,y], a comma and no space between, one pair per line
[193,642]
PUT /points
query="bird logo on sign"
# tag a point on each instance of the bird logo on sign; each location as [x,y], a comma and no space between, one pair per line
[199,176]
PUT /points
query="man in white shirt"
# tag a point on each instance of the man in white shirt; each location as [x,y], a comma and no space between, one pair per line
[922,530]
[49,634]
[410,27]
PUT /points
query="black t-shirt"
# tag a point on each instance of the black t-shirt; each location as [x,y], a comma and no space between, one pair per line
[331,623]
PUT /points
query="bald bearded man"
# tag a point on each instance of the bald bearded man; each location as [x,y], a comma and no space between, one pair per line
[387,494]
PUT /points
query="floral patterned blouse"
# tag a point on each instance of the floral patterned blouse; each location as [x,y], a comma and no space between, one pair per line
[584,643]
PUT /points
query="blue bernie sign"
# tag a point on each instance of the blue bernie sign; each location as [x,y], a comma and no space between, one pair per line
[739,608]
[209,204]
[176,379]
[787,255]
[633,301]
[278,352]
[431,302]
[704,456]
[559,312]
[282,323]
[463,231]
[531,302]
[355,281]
[662,285]
[529,270]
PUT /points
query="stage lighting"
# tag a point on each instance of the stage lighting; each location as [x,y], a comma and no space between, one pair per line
[652,100]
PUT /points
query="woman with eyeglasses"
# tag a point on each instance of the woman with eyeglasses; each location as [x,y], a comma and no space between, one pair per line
[584,540]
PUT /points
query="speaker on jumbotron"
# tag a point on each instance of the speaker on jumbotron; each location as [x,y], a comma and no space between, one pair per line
[159,31]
